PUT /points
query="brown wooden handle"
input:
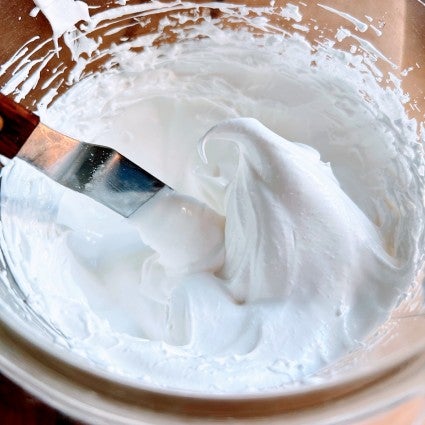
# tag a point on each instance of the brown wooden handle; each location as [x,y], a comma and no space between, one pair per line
[16,126]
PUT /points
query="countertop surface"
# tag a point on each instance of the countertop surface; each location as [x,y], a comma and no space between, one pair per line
[19,408]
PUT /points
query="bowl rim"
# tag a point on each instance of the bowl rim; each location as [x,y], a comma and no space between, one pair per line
[76,367]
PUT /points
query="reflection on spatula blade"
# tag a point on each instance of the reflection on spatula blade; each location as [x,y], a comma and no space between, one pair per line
[96,171]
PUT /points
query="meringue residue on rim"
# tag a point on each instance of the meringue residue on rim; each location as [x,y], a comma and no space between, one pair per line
[63,15]
[293,232]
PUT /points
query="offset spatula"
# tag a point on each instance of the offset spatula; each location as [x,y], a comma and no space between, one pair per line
[96,171]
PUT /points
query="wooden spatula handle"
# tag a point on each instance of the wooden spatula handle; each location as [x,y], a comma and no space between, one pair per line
[16,125]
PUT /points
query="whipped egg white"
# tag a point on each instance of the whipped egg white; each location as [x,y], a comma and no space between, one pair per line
[290,235]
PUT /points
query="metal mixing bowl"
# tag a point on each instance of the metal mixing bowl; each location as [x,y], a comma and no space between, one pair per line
[378,379]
